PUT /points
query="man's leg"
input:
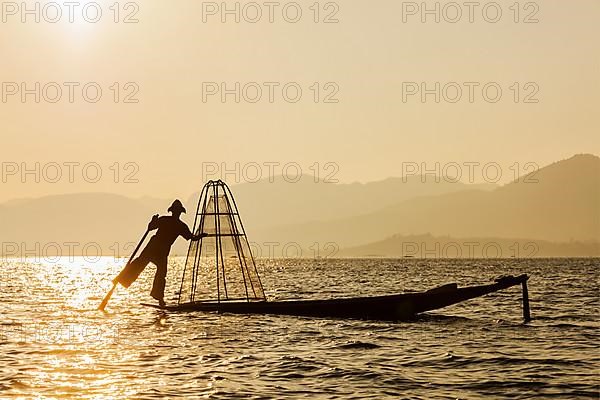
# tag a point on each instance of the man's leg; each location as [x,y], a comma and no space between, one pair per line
[160,280]
[131,272]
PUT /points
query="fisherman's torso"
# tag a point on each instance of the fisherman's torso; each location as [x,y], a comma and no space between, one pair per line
[169,228]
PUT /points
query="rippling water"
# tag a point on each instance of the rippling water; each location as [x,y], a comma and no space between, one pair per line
[54,344]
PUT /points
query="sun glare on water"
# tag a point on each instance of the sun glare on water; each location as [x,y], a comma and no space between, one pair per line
[79,281]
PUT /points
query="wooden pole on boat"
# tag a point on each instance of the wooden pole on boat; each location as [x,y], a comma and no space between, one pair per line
[102,305]
[526,311]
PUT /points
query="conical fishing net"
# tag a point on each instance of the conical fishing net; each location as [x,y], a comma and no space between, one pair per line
[220,266]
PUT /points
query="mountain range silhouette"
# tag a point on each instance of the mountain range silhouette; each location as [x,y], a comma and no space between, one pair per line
[562,204]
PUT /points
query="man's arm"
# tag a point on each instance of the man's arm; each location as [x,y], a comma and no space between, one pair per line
[187,234]
[199,236]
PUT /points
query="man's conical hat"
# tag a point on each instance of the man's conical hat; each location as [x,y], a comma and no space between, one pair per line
[176,206]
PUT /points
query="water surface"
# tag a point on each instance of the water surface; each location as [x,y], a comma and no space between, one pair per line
[54,344]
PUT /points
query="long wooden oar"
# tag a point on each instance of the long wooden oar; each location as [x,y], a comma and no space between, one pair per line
[115,281]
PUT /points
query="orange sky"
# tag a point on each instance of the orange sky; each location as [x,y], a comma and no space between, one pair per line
[368,55]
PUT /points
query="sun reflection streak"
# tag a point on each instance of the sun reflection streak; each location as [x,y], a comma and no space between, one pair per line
[77,349]
[76,281]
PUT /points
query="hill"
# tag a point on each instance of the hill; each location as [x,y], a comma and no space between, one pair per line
[114,223]
[561,203]
[428,246]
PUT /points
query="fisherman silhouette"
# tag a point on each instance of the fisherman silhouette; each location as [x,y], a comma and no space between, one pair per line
[159,246]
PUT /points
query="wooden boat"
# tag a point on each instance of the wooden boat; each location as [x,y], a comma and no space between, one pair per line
[391,307]
[226,249]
